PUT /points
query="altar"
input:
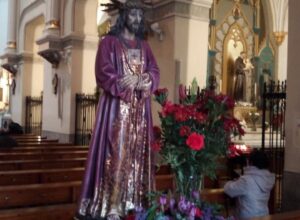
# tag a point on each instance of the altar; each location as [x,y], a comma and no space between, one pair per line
[243,113]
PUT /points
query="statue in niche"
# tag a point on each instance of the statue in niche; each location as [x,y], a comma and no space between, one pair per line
[248,80]
[239,72]
[243,69]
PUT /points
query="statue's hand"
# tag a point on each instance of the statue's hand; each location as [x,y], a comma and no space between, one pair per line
[144,82]
[129,81]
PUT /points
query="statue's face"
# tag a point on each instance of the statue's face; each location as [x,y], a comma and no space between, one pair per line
[133,19]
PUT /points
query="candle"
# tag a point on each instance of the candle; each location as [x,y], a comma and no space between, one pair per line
[255,90]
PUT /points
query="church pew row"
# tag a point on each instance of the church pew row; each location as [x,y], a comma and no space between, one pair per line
[292,215]
[37,141]
[43,149]
[42,155]
[29,138]
[42,164]
[50,212]
[42,144]
[39,194]
[22,177]
[16,196]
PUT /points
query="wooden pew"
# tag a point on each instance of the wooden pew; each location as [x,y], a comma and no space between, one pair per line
[50,212]
[46,141]
[42,164]
[42,155]
[22,177]
[36,144]
[28,137]
[293,215]
[39,194]
[44,149]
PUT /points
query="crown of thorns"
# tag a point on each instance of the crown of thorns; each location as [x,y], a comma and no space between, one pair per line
[129,4]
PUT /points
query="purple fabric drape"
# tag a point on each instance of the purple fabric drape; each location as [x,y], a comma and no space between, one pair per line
[95,195]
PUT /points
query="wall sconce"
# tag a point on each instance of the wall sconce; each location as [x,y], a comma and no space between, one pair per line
[157,31]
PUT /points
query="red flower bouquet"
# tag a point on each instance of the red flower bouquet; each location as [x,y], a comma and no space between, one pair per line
[194,133]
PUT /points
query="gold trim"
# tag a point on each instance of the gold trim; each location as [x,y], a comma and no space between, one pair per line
[279,37]
[53,24]
[241,16]
[12,44]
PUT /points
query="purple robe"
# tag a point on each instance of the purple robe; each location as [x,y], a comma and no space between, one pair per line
[119,166]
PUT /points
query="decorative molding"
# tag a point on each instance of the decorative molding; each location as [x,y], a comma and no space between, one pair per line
[49,49]
[198,10]
[53,24]
[12,45]
[279,37]
[10,62]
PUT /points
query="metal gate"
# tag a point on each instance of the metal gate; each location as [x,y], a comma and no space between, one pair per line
[33,117]
[273,134]
[86,107]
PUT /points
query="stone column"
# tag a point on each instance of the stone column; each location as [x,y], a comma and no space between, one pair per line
[212,51]
[76,52]
[280,24]
[188,29]
[52,17]
[182,54]
[12,27]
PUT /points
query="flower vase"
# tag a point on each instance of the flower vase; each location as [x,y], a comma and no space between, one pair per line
[187,185]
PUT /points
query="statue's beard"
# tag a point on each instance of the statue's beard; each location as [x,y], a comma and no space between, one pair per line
[133,27]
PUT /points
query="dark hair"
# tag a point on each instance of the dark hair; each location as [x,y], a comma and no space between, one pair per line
[117,29]
[259,159]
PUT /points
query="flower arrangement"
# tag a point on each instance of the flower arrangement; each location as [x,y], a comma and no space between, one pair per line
[166,207]
[194,134]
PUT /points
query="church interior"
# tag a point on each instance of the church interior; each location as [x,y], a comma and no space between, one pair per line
[47,86]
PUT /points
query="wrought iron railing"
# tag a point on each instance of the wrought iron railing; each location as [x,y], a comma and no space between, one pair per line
[86,107]
[33,115]
[273,133]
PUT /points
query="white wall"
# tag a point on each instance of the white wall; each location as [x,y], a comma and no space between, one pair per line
[191,48]
[35,71]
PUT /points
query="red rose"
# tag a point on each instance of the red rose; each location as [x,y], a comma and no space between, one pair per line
[200,117]
[156,145]
[181,114]
[162,91]
[184,131]
[168,109]
[195,141]
[161,96]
